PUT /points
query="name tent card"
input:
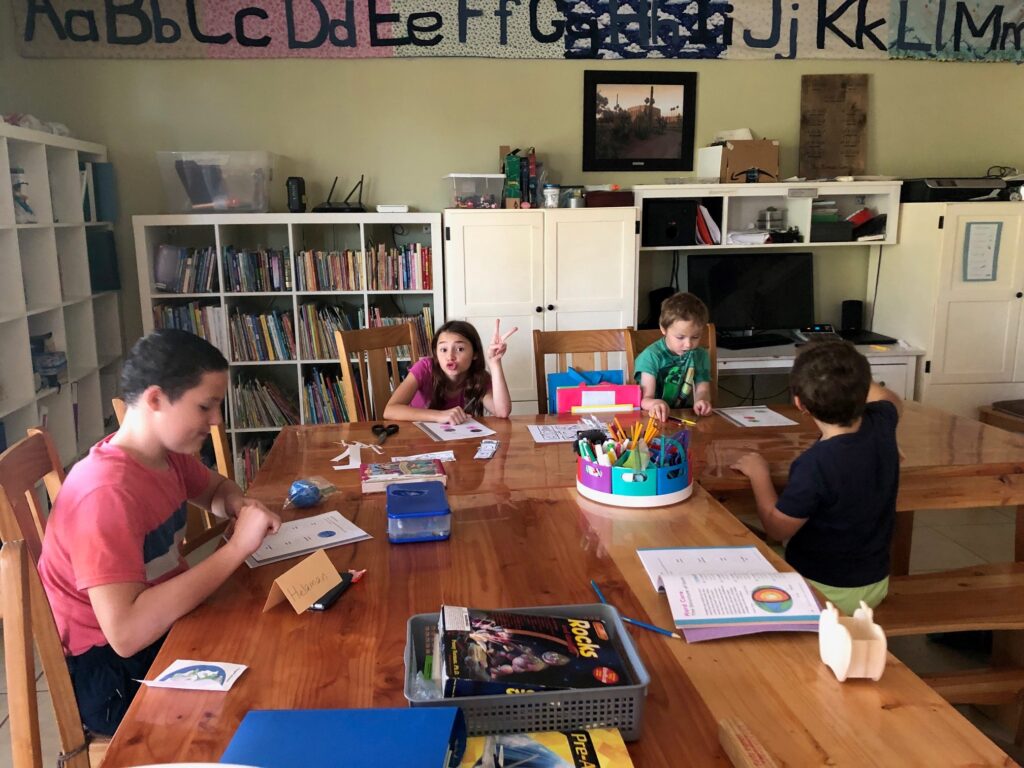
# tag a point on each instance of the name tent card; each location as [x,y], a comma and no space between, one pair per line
[304,584]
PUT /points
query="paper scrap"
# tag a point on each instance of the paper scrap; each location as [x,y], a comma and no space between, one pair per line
[439,455]
[191,675]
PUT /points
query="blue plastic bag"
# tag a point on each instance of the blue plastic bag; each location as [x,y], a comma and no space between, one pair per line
[573,378]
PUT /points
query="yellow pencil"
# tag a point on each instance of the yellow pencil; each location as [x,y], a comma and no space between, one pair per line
[622,432]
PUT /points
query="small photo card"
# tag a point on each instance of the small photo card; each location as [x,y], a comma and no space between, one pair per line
[191,675]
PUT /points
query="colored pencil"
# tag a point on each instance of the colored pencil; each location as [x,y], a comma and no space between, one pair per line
[678,420]
[634,622]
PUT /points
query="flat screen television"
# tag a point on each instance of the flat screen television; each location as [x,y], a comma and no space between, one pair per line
[754,291]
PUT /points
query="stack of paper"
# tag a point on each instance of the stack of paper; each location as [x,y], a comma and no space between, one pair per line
[718,592]
[300,537]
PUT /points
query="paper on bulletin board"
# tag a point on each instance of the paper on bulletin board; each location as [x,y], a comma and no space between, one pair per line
[305,583]
[981,250]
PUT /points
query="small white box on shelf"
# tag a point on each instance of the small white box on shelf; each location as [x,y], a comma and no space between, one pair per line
[475,190]
[216,182]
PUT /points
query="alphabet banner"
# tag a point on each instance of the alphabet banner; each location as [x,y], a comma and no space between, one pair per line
[951,30]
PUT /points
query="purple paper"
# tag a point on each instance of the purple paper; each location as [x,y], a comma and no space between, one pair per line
[699,634]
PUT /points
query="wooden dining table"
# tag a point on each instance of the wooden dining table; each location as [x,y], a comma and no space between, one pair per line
[522,536]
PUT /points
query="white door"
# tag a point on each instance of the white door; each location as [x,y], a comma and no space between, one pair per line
[978,310]
[494,269]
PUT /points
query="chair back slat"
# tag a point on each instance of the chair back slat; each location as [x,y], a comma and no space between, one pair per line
[29,462]
[583,350]
[370,373]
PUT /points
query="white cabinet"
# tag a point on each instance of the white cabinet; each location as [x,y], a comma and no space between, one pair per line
[547,269]
[302,274]
[954,286]
[45,288]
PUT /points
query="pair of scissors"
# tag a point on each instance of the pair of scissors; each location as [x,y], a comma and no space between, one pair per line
[383,432]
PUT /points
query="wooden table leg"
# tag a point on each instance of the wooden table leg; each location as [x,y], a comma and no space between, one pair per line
[902,538]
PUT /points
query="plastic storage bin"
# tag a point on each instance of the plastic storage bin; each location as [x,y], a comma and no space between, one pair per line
[620,707]
[216,182]
[418,512]
[475,190]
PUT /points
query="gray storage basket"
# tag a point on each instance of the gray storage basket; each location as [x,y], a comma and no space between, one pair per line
[619,707]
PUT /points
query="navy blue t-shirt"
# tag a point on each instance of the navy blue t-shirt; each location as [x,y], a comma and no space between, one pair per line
[846,488]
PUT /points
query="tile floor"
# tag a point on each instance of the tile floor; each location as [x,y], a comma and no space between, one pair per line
[942,540]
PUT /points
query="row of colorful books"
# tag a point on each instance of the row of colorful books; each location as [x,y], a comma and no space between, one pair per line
[330,270]
[260,404]
[265,336]
[177,269]
[323,399]
[422,327]
[317,324]
[257,271]
[407,268]
[250,458]
[204,320]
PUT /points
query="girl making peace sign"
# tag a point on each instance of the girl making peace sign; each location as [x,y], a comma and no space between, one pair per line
[458,381]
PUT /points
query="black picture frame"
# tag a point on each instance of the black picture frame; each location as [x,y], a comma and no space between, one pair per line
[616,110]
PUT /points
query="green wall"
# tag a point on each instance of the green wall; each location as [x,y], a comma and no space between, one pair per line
[406,123]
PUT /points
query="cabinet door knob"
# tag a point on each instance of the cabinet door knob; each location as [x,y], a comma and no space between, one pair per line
[1020,295]
[540,309]
[550,307]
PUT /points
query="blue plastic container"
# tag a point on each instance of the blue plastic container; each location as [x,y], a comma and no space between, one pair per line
[418,512]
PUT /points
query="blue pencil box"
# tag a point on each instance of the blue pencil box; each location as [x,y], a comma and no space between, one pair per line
[418,512]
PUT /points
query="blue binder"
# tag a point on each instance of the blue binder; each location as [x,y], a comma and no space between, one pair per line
[418,737]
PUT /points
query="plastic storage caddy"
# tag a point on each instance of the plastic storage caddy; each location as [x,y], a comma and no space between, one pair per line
[620,707]
[418,512]
[216,182]
[654,486]
[475,190]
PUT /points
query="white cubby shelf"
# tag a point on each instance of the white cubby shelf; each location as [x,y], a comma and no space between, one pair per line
[45,287]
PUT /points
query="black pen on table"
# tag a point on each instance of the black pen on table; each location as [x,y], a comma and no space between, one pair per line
[634,622]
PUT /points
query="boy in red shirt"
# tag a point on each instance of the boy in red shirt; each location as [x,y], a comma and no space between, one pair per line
[111,562]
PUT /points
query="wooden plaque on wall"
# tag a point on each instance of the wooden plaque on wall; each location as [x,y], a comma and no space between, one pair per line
[833,125]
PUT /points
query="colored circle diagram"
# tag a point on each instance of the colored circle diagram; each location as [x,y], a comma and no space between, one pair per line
[772,599]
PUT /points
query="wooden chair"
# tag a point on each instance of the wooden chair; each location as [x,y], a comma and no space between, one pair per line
[23,466]
[583,350]
[638,341]
[202,525]
[369,367]
[27,618]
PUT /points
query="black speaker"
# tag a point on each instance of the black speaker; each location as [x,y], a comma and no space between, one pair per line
[853,315]
[669,221]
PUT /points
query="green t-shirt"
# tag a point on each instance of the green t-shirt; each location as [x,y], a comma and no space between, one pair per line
[676,375]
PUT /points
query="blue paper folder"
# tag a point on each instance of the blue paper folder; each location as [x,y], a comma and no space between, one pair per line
[328,738]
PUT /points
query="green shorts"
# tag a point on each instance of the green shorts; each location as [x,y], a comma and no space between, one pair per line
[848,599]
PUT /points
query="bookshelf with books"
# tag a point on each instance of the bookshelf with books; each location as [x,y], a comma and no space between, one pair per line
[47,300]
[269,290]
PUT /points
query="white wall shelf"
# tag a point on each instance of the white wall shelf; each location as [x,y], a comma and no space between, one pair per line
[45,288]
[295,233]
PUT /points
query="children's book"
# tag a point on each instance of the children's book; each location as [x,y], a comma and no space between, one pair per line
[497,652]
[377,477]
[300,537]
[679,561]
[593,748]
[411,737]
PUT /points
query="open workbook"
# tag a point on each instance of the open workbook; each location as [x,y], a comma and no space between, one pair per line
[716,592]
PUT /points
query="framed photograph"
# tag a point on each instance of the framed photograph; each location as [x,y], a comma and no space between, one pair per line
[638,121]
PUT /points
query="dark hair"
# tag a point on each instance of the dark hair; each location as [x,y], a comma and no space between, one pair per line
[478,380]
[171,359]
[832,379]
[683,306]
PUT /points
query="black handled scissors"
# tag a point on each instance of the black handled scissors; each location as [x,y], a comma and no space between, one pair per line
[383,432]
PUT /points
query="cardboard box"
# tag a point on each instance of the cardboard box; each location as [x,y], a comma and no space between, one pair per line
[733,158]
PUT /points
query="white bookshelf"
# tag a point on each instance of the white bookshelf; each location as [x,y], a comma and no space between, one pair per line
[296,233]
[45,287]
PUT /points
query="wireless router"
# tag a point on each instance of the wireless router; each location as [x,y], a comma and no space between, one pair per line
[328,206]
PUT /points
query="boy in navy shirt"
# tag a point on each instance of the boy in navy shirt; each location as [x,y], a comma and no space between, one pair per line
[839,507]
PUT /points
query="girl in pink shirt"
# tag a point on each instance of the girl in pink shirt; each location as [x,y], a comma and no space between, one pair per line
[459,380]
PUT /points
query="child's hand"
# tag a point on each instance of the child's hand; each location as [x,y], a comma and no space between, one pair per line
[658,410]
[498,347]
[752,465]
[454,416]
[252,525]
[702,407]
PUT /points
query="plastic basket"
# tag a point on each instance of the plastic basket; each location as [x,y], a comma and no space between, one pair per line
[620,707]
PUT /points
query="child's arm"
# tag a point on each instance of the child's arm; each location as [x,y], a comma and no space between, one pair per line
[777,525]
[224,498]
[398,408]
[648,402]
[702,398]
[133,616]
[498,401]
[877,392]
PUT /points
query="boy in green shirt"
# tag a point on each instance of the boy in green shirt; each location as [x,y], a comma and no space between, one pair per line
[675,371]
